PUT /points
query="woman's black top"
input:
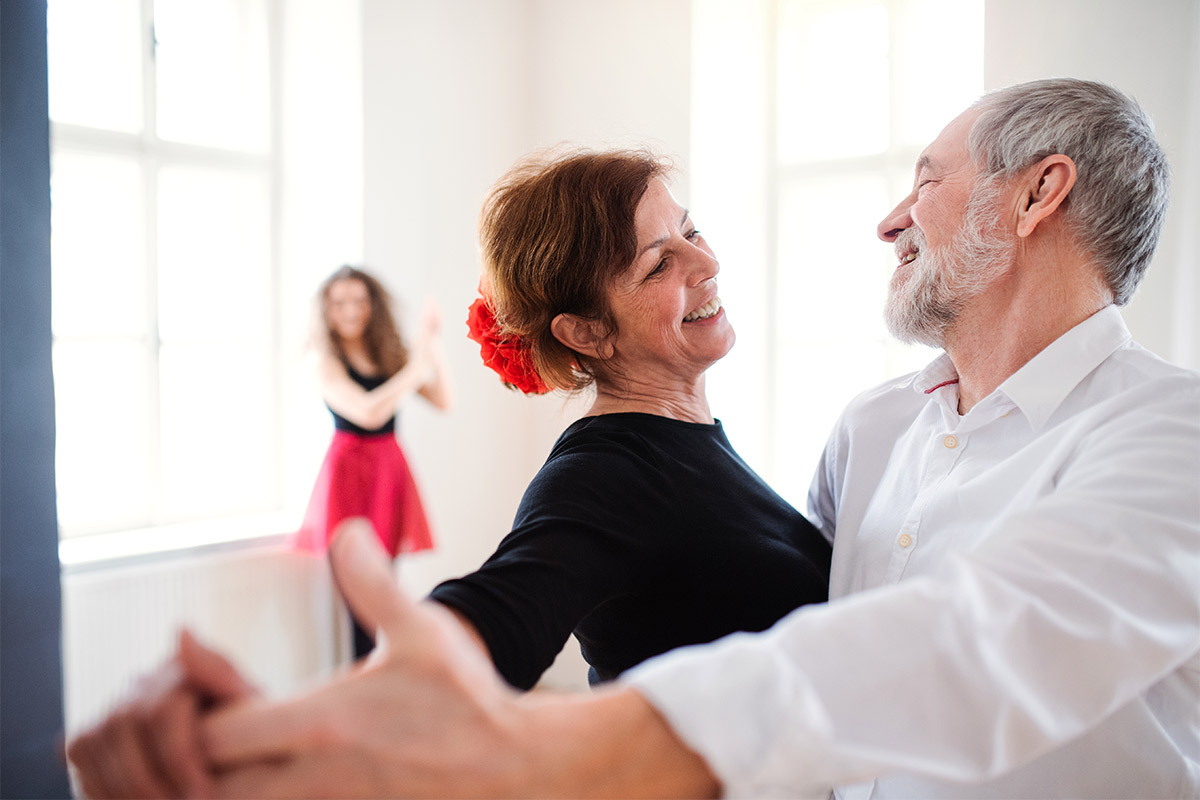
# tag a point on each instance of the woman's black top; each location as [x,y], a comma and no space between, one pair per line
[640,534]
[367,382]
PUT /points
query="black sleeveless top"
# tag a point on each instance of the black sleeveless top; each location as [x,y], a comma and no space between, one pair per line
[368,383]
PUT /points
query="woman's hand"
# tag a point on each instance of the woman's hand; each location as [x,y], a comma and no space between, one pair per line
[436,388]
[431,319]
[425,344]
[150,745]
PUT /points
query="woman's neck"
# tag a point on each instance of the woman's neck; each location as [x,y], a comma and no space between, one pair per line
[355,353]
[689,405]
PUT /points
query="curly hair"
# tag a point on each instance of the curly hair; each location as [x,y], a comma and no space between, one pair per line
[381,338]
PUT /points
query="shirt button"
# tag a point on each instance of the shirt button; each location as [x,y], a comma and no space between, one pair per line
[950,442]
[905,540]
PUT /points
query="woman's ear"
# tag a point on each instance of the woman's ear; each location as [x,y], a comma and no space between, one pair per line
[584,336]
[1048,184]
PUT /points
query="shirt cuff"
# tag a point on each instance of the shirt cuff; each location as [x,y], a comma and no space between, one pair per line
[723,701]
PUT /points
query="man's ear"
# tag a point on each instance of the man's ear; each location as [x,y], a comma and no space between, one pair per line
[585,336]
[1046,185]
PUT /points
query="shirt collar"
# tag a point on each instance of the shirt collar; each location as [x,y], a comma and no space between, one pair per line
[1040,386]
[939,374]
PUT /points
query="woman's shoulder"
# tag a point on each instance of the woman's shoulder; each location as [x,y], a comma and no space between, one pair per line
[602,477]
[626,454]
[324,365]
[633,437]
[648,428]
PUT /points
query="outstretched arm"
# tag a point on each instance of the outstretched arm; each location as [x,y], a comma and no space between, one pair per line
[426,715]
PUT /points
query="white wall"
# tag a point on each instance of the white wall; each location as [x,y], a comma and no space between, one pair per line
[1150,50]
[454,93]
[447,100]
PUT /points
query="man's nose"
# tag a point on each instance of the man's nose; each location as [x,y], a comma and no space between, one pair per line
[896,222]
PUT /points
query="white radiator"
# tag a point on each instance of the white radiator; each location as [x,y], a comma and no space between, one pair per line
[274,612]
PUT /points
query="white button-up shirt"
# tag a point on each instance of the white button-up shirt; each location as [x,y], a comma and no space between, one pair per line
[1015,597]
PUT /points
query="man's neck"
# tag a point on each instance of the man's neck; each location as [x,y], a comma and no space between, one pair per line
[989,345]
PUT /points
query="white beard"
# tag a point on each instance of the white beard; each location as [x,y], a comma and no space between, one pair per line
[920,309]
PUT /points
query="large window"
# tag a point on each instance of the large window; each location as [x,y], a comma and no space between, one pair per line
[809,115]
[165,319]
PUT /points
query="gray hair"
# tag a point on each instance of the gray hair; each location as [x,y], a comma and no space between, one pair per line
[1117,205]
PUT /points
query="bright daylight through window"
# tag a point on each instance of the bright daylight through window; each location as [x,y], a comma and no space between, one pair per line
[164,317]
[808,117]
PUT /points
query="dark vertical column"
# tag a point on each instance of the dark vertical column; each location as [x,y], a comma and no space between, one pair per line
[31,703]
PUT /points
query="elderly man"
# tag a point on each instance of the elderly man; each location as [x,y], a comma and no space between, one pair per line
[1015,609]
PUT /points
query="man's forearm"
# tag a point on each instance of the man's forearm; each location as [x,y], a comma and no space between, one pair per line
[612,743]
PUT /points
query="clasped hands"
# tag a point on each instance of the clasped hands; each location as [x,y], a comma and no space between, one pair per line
[426,704]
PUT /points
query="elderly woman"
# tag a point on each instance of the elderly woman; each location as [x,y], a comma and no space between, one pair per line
[644,530]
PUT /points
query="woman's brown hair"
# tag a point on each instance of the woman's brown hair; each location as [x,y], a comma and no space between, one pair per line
[555,231]
[382,337]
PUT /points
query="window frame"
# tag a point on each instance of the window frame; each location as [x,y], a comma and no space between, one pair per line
[151,155]
[738,184]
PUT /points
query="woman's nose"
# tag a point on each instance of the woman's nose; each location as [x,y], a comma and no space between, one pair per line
[896,222]
[704,265]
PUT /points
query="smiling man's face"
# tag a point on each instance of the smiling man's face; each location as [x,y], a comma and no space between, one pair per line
[949,242]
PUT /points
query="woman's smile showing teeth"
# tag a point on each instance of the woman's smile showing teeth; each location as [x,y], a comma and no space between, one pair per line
[705,311]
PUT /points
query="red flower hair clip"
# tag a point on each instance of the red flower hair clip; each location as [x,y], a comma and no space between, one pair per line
[506,355]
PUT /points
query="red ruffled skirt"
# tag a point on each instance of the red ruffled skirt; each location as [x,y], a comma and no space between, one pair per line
[366,476]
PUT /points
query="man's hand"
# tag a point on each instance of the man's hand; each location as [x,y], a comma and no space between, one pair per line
[149,746]
[424,715]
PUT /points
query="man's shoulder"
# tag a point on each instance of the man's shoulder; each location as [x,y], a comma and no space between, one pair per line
[1135,365]
[1134,383]
[1138,381]
[895,395]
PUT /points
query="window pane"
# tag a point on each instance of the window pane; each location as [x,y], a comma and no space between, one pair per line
[97,245]
[832,80]
[214,254]
[930,95]
[102,456]
[213,72]
[95,62]
[832,278]
[217,429]
[814,384]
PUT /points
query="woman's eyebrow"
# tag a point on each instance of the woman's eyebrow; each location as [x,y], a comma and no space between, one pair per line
[660,241]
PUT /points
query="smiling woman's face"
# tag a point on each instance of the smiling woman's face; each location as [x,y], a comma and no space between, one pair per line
[348,308]
[669,320]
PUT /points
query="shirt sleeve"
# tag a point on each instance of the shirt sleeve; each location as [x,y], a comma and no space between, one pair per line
[945,675]
[822,494]
[579,538]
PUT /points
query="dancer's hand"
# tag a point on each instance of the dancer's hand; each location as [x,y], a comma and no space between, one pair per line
[149,746]
[426,715]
